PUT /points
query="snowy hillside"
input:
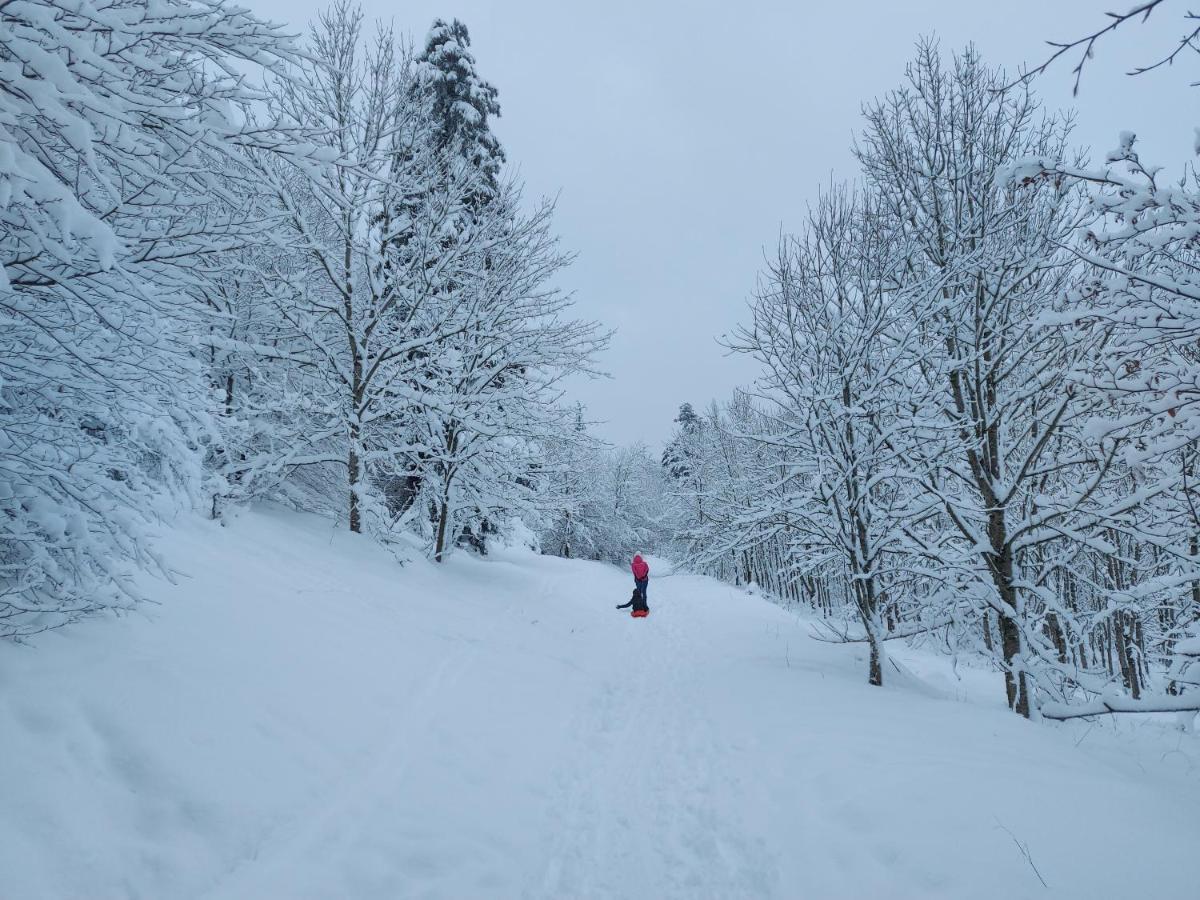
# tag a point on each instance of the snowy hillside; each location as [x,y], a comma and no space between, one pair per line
[302,718]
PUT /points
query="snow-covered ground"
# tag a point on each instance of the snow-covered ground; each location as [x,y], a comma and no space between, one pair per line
[302,718]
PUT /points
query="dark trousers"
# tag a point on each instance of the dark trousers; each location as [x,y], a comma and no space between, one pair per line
[641,584]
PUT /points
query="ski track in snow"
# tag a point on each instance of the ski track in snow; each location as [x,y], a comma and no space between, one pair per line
[642,815]
[303,720]
[332,821]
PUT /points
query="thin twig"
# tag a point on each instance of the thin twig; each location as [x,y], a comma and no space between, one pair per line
[1024,852]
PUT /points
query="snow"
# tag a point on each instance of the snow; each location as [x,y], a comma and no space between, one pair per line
[1188,646]
[300,716]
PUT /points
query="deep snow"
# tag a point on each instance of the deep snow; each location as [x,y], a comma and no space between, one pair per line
[300,717]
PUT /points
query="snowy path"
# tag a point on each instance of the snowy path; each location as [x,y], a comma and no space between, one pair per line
[303,719]
[655,803]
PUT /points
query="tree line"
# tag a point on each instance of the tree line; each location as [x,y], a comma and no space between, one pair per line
[240,266]
[237,266]
[976,424]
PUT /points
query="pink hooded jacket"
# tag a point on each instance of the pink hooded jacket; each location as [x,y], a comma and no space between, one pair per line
[640,569]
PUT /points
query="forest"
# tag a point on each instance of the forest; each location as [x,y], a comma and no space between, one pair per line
[241,267]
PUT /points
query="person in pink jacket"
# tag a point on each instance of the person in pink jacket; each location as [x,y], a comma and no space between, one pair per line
[641,580]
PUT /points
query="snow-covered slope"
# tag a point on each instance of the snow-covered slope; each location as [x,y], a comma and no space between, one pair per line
[302,718]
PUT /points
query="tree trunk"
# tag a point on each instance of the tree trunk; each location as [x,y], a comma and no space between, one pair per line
[1194,549]
[875,674]
[354,467]
[1054,631]
[439,547]
[1015,682]
[1127,655]
[868,603]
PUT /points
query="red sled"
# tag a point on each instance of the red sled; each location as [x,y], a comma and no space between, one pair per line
[640,613]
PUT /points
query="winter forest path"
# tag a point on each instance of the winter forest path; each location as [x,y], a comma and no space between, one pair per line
[304,719]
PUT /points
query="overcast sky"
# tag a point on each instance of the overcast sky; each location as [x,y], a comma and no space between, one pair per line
[680,137]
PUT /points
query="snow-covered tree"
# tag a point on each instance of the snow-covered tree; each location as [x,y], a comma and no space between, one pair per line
[985,430]
[462,102]
[320,289]
[607,502]
[684,460]
[117,120]
[998,414]
[1142,293]
[362,286]
[493,389]
[837,347]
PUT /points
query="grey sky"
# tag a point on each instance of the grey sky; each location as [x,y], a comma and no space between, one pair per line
[680,137]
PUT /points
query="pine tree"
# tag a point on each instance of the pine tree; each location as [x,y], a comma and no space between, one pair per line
[462,101]
[675,457]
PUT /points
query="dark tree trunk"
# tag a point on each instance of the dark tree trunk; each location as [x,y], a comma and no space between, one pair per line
[1054,631]
[439,547]
[875,675]
[1127,654]
[353,466]
[1015,682]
